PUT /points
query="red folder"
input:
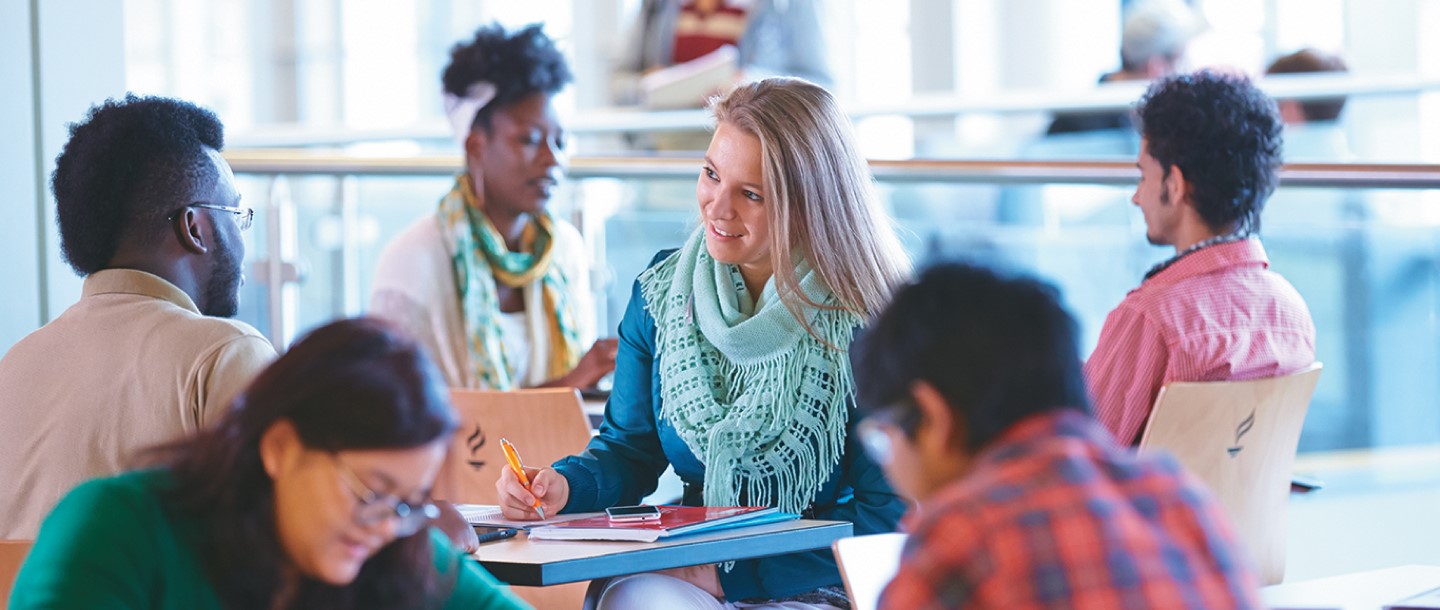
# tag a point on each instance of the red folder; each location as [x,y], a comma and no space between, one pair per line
[674,521]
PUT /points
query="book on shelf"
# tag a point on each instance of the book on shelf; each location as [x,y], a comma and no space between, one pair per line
[686,85]
[674,521]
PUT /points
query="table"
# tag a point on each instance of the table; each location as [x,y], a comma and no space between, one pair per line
[1368,590]
[521,561]
[594,410]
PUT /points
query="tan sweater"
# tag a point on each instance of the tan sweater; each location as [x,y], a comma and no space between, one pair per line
[131,364]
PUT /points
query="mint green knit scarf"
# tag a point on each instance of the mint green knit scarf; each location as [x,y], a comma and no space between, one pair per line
[763,403]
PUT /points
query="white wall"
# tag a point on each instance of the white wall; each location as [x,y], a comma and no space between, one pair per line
[57,58]
[19,176]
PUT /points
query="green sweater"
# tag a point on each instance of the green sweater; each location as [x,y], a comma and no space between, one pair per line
[110,544]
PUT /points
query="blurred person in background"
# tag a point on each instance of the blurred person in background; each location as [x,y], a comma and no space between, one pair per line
[681,52]
[495,287]
[312,492]
[1153,40]
[769,38]
[1312,127]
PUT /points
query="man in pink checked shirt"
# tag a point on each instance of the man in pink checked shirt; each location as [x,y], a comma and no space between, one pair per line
[1209,158]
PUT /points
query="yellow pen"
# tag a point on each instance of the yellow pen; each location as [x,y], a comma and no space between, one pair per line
[515,465]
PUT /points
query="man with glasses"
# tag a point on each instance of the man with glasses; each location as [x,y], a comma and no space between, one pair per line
[149,215]
[973,403]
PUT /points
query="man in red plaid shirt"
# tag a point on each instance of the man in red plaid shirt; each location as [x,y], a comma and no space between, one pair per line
[1209,158]
[974,404]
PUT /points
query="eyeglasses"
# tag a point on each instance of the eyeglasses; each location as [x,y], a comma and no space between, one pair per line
[246,216]
[876,439]
[373,507]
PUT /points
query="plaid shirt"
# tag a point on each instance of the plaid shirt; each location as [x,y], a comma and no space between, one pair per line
[1214,314]
[1054,515]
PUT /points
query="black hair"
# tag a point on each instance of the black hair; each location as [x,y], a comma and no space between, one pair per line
[518,64]
[1308,61]
[998,349]
[1224,135]
[127,166]
[351,384]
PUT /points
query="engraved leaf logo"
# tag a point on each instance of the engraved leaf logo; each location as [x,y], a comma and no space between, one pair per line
[475,441]
[1240,431]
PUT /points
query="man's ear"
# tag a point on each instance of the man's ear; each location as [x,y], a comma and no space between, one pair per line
[1176,186]
[188,231]
[279,446]
[942,431]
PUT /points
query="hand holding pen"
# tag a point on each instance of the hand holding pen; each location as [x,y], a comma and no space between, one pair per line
[525,492]
[519,469]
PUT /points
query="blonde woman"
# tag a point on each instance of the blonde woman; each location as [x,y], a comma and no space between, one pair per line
[732,365]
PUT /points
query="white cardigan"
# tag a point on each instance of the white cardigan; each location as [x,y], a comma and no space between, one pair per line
[414,288]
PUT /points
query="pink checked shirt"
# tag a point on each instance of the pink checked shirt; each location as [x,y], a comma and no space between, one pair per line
[1216,314]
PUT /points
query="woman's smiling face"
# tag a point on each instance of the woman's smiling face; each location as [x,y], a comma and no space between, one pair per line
[734,202]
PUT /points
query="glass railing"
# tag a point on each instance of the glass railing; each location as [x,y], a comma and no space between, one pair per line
[1360,242]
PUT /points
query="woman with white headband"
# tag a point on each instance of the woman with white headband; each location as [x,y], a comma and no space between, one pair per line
[494,286]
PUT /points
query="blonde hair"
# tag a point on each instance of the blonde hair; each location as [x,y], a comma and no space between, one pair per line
[823,205]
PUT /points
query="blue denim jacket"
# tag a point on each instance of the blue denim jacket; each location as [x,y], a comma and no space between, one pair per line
[623,462]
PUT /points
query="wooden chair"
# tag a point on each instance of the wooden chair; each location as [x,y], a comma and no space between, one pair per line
[12,554]
[1239,438]
[867,563]
[544,424]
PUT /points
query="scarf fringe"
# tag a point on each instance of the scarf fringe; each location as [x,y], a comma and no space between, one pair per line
[769,431]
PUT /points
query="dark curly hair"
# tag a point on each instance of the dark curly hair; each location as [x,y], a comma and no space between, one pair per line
[998,347]
[518,64]
[1224,135]
[128,165]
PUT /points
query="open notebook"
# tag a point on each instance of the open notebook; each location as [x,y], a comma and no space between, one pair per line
[1428,600]
[674,521]
[489,515]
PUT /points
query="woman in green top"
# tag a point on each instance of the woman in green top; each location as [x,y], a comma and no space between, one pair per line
[312,492]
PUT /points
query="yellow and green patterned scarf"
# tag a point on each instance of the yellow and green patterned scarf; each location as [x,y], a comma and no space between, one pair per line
[480,261]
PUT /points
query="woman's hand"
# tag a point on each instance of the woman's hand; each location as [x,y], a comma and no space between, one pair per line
[516,502]
[596,363]
[456,528]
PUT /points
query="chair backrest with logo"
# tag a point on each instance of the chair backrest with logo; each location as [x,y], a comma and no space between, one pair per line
[1239,437]
[543,424]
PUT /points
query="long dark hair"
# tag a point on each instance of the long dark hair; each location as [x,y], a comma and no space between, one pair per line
[351,384]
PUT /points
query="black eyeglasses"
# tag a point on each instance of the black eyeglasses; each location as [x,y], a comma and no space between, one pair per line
[372,507]
[245,216]
[874,435]
[876,429]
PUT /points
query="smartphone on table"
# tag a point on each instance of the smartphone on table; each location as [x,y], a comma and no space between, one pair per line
[633,513]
